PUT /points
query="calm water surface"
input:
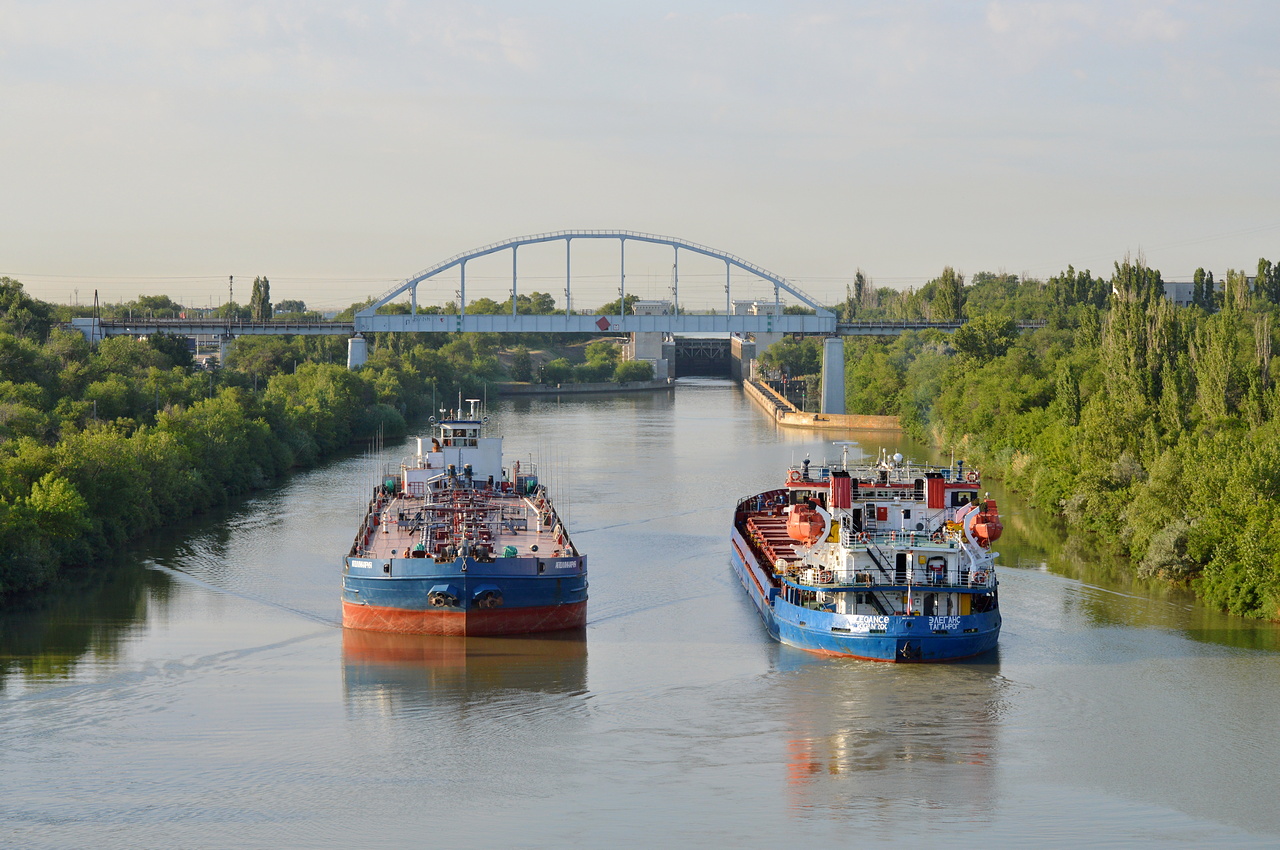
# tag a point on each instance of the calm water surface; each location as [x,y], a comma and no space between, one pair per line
[206,696]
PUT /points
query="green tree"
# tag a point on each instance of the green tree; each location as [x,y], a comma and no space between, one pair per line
[1068,393]
[521,365]
[986,337]
[849,309]
[1235,290]
[157,306]
[22,315]
[1267,283]
[173,346]
[946,300]
[488,307]
[1217,381]
[558,371]
[233,311]
[793,357]
[56,508]
[612,308]
[593,372]
[1071,288]
[604,351]
[260,300]
[633,370]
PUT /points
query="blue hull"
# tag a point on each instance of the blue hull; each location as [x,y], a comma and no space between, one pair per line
[411,593]
[465,596]
[875,638]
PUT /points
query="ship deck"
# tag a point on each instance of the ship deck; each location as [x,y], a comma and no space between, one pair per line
[440,525]
[769,532]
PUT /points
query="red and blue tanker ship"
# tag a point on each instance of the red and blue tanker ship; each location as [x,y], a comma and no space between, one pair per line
[887,561]
[455,543]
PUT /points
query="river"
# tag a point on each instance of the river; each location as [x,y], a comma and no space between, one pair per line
[203,693]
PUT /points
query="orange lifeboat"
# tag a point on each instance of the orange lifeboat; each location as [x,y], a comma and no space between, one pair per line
[985,526]
[806,524]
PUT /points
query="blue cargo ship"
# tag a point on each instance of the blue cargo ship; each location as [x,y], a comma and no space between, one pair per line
[887,560]
[454,542]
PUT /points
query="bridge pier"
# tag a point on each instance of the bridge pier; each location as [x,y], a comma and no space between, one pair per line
[357,352]
[649,345]
[833,375]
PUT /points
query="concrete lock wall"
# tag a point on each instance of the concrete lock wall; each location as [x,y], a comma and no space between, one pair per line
[833,376]
[784,413]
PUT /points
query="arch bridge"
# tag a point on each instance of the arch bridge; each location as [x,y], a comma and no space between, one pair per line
[756,317]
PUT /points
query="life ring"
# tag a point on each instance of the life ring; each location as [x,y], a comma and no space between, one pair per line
[793,477]
[863,537]
[972,477]
[937,537]
[979,577]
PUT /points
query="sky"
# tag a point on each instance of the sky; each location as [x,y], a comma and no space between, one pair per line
[337,148]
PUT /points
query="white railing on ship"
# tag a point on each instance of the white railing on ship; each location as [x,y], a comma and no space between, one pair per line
[901,539]
[916,577]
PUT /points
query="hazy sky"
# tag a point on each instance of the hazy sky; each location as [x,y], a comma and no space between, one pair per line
[153,147]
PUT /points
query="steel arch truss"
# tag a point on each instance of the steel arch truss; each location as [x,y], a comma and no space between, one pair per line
[771,321]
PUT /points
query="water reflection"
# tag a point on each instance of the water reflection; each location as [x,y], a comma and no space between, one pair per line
[91,612]
[878,742]
[518,407]
[390,673]
[1106,591]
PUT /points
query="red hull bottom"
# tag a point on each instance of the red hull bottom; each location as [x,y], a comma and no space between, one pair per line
[488,621]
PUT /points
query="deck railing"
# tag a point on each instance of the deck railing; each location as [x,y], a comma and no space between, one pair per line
[912,577]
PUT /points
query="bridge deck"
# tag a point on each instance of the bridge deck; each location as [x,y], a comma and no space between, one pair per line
[474,322]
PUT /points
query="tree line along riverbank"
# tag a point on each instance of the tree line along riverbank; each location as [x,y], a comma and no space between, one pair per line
[101,445]
[1148,424]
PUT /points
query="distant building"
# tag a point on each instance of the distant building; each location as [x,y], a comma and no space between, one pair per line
[1181,292]
[757,308]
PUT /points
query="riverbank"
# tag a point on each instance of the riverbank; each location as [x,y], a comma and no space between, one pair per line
[788,415]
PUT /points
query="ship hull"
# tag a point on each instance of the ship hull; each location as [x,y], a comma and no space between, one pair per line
[454,543]
[464,597]
[458,623]
[879,638]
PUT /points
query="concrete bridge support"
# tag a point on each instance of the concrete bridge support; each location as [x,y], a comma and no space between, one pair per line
[357,352]
[833,375]
[648,345]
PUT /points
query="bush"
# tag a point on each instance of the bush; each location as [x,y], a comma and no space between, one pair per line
[557,371]
[633,370]
[521,365]
[594,372]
